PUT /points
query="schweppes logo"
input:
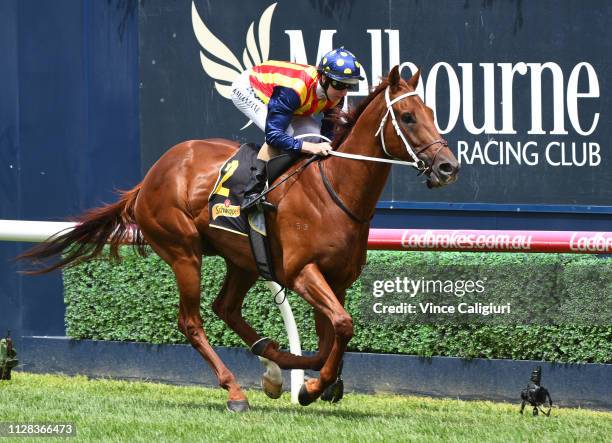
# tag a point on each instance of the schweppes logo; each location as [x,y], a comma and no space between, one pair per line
[225,209]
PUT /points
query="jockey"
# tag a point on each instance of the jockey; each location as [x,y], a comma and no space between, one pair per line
[281,98]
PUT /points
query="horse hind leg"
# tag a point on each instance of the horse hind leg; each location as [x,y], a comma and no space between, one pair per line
[188,281]
[228,307]
[185,258]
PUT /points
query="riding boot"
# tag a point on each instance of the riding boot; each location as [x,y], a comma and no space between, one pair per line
[255,186]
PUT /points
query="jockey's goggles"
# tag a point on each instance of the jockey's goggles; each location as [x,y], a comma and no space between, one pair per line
[340,86]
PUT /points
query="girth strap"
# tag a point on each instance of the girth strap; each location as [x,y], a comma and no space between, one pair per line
[337,200]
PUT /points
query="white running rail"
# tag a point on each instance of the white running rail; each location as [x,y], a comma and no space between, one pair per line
[39,231]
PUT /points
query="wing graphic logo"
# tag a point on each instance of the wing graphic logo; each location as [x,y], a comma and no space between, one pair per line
[225,73]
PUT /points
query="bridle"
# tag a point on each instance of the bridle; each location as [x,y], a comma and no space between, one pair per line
[416,163]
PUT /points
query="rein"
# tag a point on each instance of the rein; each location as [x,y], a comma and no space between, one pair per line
[336,198]
[358,156]
[417,163]
[296,171]
[327,184]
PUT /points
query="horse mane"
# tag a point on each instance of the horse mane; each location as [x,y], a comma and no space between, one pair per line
[344,121]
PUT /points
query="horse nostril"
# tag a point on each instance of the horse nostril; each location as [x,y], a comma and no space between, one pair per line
[446,168]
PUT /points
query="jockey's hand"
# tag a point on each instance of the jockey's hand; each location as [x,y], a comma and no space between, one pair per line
[322,149]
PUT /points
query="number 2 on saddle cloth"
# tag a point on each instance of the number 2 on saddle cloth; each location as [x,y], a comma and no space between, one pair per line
[224,202]
[227,195]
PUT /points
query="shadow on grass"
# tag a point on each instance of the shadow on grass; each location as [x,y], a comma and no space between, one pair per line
[306,411]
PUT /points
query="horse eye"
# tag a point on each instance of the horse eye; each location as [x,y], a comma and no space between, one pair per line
[408,118]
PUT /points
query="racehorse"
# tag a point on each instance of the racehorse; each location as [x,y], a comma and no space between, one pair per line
[318,233]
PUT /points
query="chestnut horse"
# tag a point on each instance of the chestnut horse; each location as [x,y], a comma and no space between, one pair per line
[318,235]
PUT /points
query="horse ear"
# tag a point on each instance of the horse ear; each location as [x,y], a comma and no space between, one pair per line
[394,77]
[414,80]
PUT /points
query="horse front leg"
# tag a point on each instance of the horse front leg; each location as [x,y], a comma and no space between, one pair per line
[313,287]
[334,392]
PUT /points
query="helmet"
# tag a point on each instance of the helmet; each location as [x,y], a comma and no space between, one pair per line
[341,65]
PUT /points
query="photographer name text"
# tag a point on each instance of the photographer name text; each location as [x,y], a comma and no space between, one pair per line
[483,309]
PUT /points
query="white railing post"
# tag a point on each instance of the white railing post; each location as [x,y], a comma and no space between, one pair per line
[295,347]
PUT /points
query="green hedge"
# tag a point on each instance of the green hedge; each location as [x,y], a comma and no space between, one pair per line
[137,300]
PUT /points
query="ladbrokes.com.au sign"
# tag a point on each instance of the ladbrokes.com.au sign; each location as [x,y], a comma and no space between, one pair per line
[518,88]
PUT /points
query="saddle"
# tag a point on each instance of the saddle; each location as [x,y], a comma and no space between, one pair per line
[227,196]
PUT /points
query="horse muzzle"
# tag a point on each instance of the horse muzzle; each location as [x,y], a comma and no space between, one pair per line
[443,172]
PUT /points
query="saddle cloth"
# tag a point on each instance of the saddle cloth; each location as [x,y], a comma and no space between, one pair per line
[228,193]
[224,207]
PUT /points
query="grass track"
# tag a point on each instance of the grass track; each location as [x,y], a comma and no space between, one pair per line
[108,410]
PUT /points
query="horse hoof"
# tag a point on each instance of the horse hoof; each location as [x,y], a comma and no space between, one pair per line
[238,405]
[334,392]
[304,397]
[272,390]
[272,379]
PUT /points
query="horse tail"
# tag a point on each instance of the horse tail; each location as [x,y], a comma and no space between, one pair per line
[111,223]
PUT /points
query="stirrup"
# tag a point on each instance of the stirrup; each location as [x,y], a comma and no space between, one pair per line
[250,201]
[257,199]
[267,206]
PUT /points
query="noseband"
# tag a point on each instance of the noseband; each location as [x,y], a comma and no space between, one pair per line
[416,163]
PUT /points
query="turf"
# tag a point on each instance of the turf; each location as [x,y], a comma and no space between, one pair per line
[109,410]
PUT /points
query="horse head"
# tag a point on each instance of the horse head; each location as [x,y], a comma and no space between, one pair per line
[411,133]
